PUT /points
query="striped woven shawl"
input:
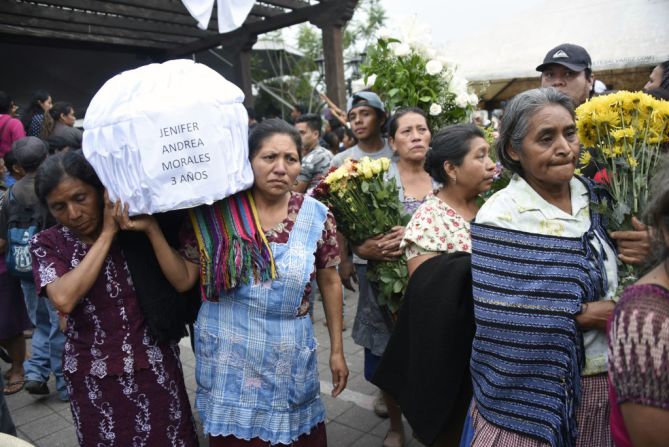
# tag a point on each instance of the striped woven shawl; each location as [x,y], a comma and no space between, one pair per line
[528,351]
[233,247]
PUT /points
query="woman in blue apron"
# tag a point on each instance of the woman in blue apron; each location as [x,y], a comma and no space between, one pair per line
[256,254]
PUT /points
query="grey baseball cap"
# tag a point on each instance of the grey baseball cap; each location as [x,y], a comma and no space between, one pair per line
[574,57]
[370,99]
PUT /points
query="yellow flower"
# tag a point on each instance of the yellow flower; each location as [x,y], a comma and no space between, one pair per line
[585,158]
[385,163]
[624,133]
[376,166]
[367,171]
[632,161]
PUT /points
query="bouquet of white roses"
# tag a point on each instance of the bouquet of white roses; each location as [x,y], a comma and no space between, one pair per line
[405,71]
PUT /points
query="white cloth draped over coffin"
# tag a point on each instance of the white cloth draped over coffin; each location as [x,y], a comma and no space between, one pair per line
[168,136]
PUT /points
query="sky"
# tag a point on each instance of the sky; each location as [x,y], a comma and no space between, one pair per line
[454,18]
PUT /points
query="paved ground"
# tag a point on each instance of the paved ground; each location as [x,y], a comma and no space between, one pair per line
[47,422]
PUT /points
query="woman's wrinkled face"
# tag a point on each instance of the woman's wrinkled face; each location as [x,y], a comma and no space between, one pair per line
[276,165]
[76,205]
[550,149]
[477,170]
[412,138]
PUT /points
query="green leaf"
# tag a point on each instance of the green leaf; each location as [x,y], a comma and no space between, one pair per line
[393,92]
[365,187]
[425,99]
[398,286]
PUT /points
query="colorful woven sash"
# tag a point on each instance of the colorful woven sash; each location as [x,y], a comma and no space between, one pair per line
[233,247]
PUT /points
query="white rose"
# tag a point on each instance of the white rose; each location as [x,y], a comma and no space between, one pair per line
[433,67]
[357,85]
[473,99]
[402,50]
[462,100]
[371,79]
[435,109]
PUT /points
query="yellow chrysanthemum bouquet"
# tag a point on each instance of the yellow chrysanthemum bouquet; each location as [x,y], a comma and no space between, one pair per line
[626,132]
[365,205]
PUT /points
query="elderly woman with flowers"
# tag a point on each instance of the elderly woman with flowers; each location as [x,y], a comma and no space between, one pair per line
[544,273]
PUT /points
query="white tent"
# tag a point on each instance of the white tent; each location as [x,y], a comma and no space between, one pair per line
[624,38]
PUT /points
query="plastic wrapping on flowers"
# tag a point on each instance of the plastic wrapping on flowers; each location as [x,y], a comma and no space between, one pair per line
[365,205]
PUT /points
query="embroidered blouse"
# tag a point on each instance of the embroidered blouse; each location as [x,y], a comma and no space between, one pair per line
[106,333]
[520,207]
[436,228]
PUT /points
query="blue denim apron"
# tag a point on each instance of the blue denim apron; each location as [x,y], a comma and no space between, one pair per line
[256,367]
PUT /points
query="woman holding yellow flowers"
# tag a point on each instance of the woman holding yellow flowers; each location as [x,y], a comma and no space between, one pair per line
[409,136]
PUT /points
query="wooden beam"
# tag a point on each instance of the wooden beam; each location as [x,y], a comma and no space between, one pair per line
[52,34]
[265,11]
[167,21]
[290,4]
[86,18]
[320,10]
[85,30]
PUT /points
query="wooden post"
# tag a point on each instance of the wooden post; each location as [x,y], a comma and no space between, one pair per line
[334,63]
[242,67]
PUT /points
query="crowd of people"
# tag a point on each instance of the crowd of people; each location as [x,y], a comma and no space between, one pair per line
[549,353]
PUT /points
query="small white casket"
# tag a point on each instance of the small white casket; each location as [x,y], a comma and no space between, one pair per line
[168,136]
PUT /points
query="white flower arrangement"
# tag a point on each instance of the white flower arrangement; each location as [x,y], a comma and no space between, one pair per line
[406,70]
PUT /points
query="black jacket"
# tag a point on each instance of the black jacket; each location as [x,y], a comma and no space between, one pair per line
[425,366]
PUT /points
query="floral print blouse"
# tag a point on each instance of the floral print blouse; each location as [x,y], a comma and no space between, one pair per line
[436,228]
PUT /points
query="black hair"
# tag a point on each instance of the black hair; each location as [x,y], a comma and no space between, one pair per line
[335,124]
[10,161]
[451,144]
[269,127]
[58,143]
[60,108]
[313,121]
[658,93]
[300,108]
[34,108]
[332,141]
[393,124]
[343,130]
[71,164]
[515,124]
[5,103]
[664,81]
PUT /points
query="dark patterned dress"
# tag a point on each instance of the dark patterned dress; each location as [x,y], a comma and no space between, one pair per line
[125,390]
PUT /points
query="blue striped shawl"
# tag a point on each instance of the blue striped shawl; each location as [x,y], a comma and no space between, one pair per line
[527,354]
